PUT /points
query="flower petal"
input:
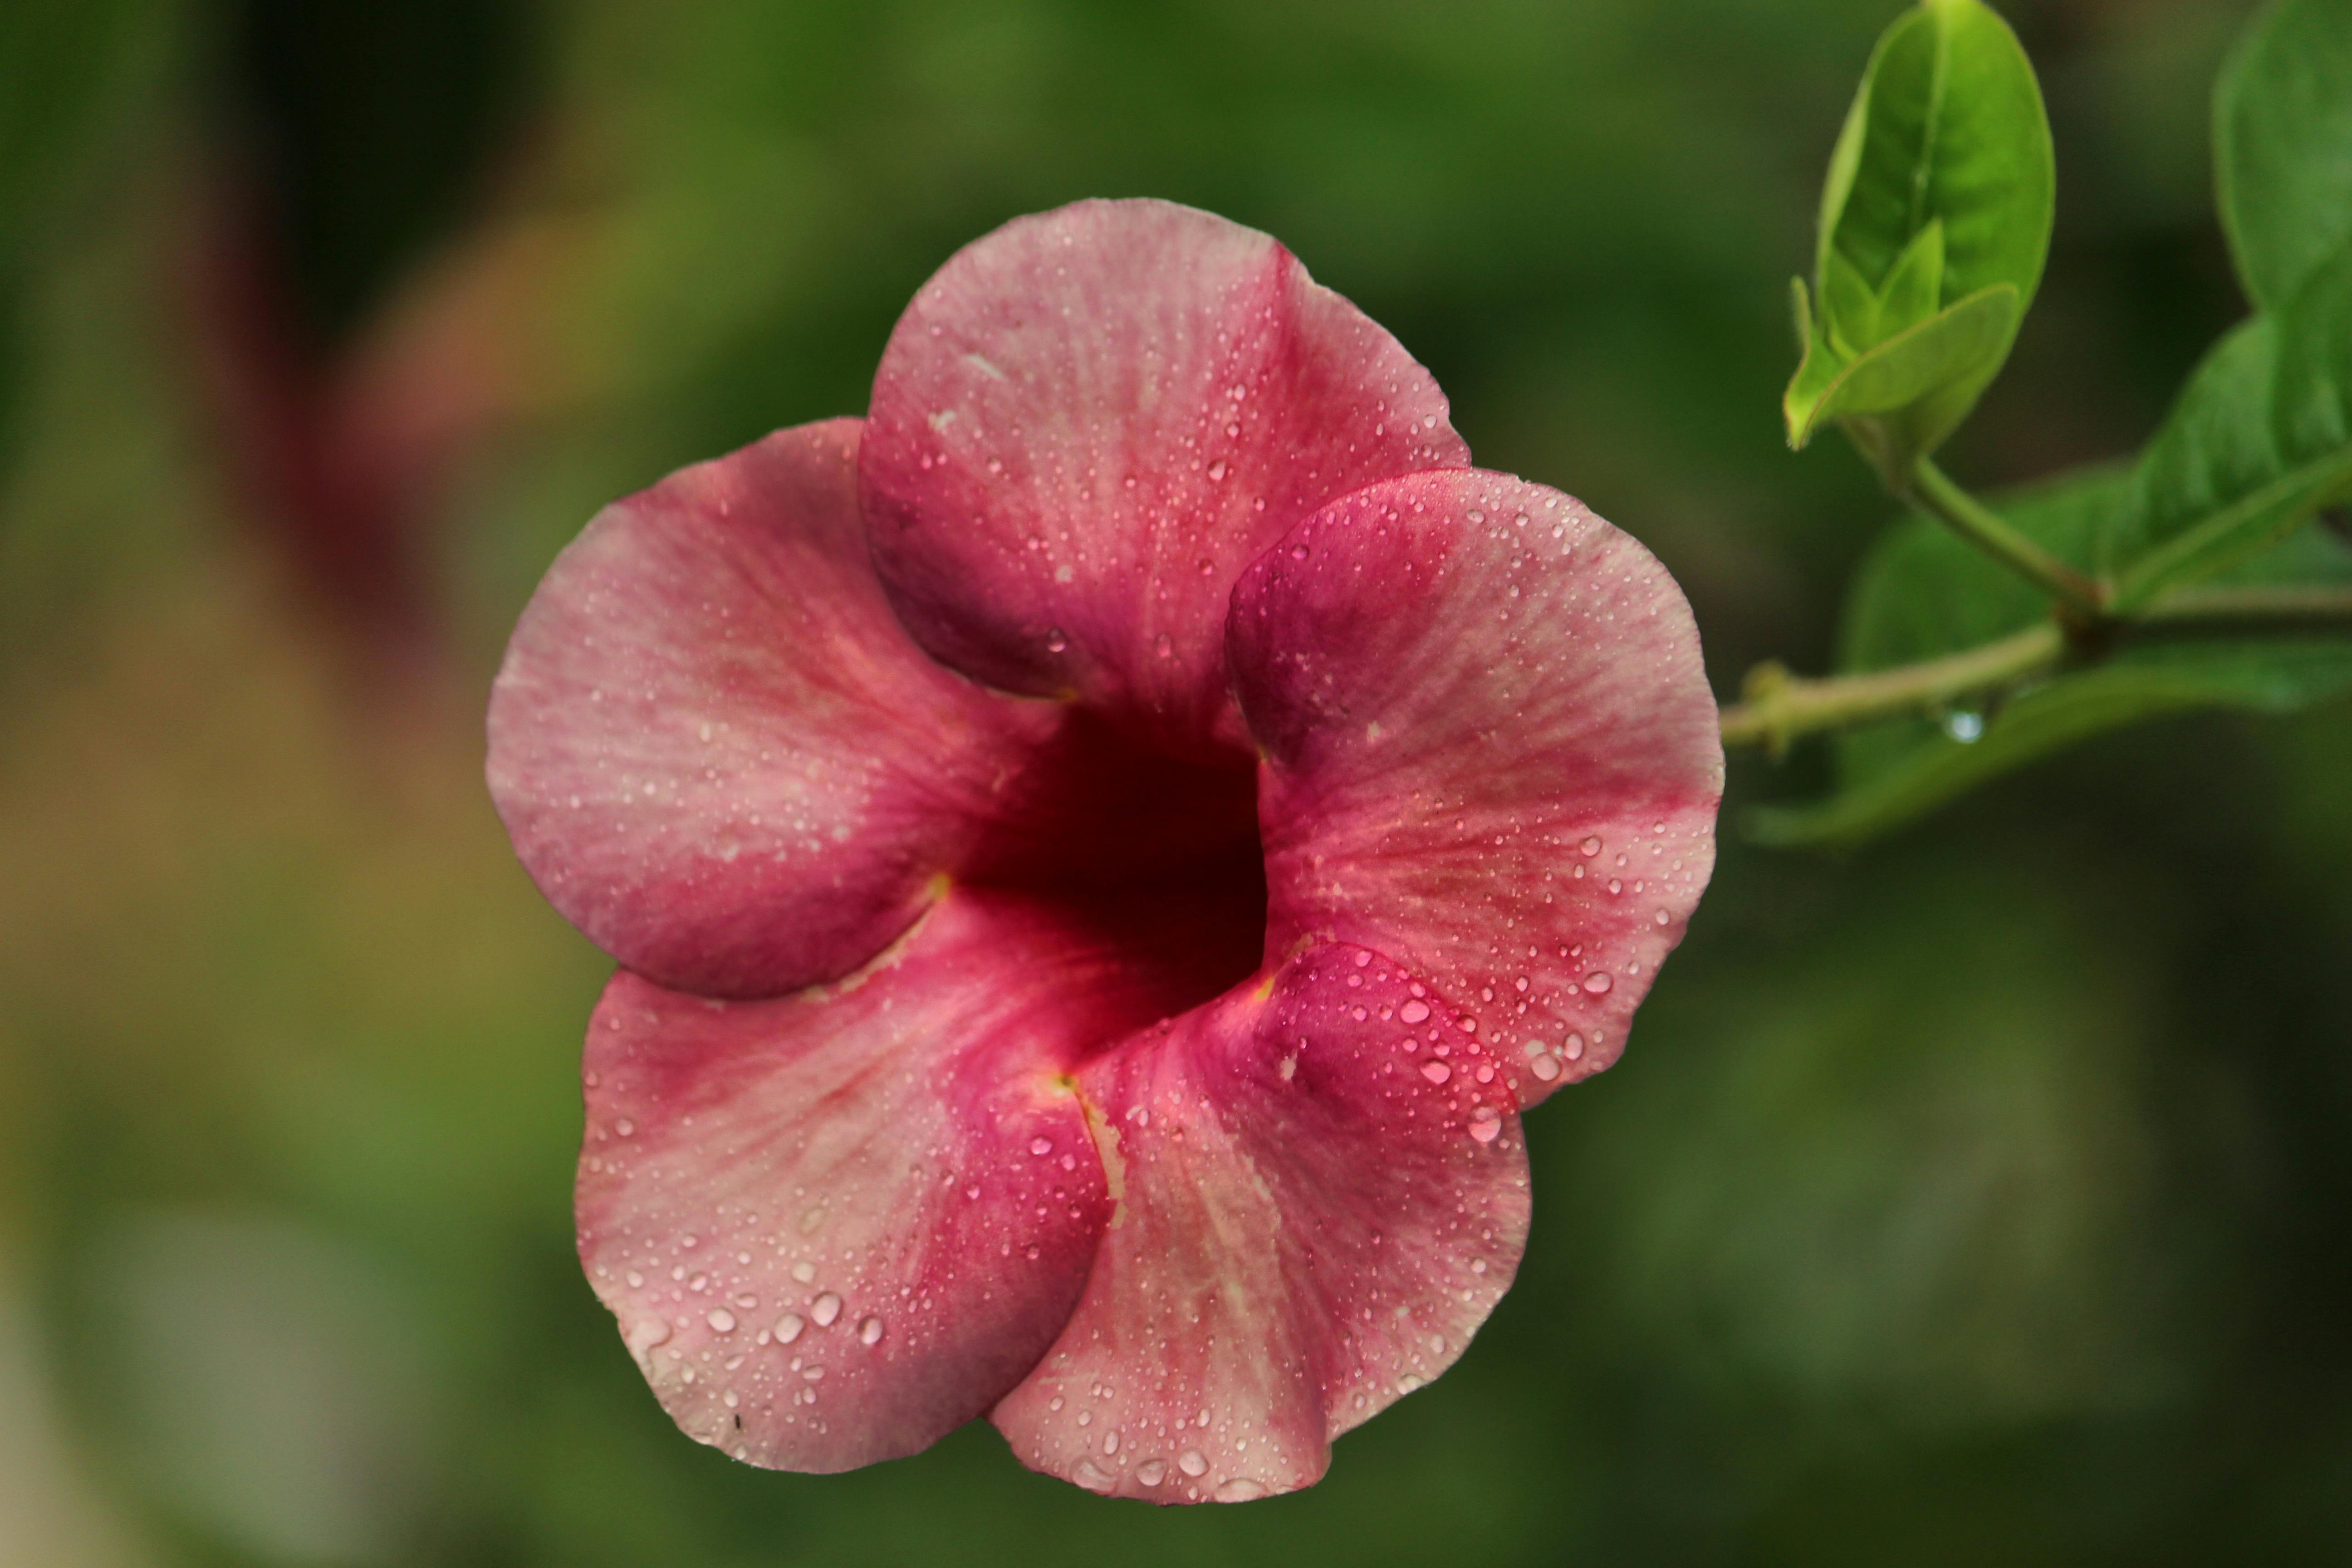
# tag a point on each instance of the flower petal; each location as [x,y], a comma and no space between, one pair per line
[1490,753]
[836,1226]
[1090,420]
[715,748]
[1321,1193]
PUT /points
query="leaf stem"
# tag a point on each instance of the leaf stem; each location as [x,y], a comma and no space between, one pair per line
[1985,529]
[2290,608]
[1780,706]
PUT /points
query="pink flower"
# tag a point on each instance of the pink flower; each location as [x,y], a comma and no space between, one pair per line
[1100,854]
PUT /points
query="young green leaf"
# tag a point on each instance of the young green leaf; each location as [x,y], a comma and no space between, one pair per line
[1940,191]
[1901,396]
[2283,145]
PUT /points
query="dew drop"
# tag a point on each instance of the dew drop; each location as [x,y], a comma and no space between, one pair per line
[1545,1067]
[1151,1472]
[1414,1012]
[1041,1146]
[1092,1477]
[1192,1462]
[1240,1489]
[1597,982]
[789,1327]
[1436,1072]
[826,1309]
[722,1320]
[1591,847]
[1572,1048]
[870,1330]
[1486,1125]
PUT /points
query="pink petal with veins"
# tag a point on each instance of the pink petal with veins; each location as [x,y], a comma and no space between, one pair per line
[716,750]
[1321,1193]
[1090,420]
[1490,753]
[834,1227]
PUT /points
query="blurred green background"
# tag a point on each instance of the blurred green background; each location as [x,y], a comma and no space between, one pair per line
[1984,1196]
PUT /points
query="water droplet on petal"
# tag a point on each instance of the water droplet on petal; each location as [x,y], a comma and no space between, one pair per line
[789,1327]
[1240,1489]
[1486,1125]
[1414,1012]
[826,1309]
[722,1320]
[1597,982]
[1091,1475]
[1041,1146]
[1436,1072]
[1192,1462]
[1591,847]
[1545,1066]
[1151,1472]
[870,1330]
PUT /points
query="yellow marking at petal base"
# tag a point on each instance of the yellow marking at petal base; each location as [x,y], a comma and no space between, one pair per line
[1106,1137]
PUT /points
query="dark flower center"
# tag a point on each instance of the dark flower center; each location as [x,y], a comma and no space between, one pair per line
[1158,857]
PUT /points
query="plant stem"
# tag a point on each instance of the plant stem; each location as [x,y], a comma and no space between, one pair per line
[1779,707]
[1985,529]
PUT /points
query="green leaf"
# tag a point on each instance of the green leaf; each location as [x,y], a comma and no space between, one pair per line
[1940,191]
[1899,396]
[1948,125]
[1915,287]
[1924,593]
[2260,438]
[2283,145]
[1849,307]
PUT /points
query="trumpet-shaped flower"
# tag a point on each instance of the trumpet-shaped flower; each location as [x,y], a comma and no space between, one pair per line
[1101,853]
